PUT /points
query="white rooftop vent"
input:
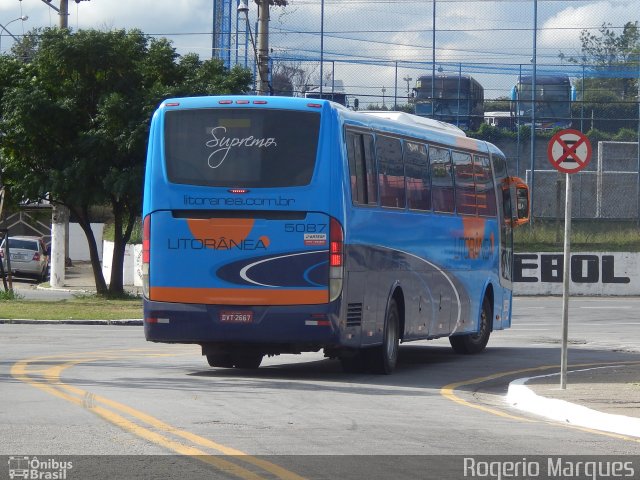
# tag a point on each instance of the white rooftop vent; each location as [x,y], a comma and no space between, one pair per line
[415,120]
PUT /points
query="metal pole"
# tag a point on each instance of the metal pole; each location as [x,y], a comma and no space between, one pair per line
[517,120]
[64,13]
[395,90]
[566,278]
[582,103]
[533,113]
[433,64]
[263,48]
[638,182]
[321,43]
[468,98]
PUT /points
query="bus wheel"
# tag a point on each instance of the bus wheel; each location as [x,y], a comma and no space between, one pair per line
[384,357]
[475,342]
[247,360]
[221,360]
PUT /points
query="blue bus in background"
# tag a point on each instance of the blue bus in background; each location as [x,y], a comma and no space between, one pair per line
[279,225]
[457,99]
[554,94]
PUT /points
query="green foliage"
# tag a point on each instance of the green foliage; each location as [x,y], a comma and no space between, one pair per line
[136,234]
[8,295]
[586,235]
[75,117]
[490,133]
[625,135]
[610,53]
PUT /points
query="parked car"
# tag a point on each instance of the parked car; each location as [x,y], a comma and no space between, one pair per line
[29,256]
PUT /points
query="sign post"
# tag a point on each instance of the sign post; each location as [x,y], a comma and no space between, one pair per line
[569,151]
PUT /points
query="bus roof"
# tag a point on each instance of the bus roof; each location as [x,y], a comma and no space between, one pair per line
[416,121]
[545,79]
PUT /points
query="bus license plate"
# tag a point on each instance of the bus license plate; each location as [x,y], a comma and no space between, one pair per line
[228,316]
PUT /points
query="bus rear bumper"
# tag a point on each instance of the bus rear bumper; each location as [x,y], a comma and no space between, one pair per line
[311,326]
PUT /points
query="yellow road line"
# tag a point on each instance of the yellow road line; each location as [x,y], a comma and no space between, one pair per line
[52,384]
[448,391]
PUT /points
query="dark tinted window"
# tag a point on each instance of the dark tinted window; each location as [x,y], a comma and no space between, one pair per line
[485,192]
[416,167]
[23,244]
[441,180]
[465,183]
[241,147]
[362,168]
[391,172]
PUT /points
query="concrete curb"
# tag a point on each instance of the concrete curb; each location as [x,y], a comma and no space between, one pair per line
[523,398]
[25,321]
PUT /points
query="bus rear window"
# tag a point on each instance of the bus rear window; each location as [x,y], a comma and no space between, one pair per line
[241,147]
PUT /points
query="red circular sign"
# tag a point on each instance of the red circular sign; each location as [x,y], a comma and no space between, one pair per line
[569,151]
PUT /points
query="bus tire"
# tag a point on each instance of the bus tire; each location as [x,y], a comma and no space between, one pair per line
[384,358]
[475,342]
[220,360]
[247,360]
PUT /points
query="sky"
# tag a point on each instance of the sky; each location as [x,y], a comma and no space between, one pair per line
[489,39]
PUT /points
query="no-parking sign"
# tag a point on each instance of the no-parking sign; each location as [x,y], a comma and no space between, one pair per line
[569,151]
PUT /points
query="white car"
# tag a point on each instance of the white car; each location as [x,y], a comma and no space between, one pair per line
[28,256]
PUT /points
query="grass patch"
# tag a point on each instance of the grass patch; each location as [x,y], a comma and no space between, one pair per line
[9,295]
[79,308]
[586,236]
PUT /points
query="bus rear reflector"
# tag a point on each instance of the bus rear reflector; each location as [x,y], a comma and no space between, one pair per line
[336,243]
[336,259]
[146,254]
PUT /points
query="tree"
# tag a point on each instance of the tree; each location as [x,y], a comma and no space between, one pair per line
[613,62]
[291,75]
[75,121]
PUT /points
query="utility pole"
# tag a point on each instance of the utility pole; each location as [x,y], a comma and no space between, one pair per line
[263,48]
[64,13]
[59,213]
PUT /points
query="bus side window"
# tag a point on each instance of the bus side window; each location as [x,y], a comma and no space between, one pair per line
[465,183]
[371,171]
[485,192]
[364,188]
[391,172]
[418,178]
[356,167]
[441,180]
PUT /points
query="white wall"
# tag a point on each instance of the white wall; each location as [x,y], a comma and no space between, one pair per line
[592,273]
[78,246]
[132,267]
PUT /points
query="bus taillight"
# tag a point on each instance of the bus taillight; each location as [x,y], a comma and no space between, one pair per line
[146,254]
[336,259]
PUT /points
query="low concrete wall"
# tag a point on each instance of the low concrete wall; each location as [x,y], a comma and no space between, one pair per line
[597,273]
[78,246]
[132,268]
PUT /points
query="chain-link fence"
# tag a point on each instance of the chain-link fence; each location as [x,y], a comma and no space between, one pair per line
[549,63]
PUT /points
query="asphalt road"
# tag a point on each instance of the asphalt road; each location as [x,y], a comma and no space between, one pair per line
[103,390]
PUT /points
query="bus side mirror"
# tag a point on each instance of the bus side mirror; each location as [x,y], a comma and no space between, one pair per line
[522,205]
[516,198]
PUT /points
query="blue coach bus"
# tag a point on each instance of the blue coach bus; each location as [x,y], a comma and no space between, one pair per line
[283,225]
[553,97]
[457,99]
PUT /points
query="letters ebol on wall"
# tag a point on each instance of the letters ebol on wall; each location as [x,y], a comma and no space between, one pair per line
[591,273]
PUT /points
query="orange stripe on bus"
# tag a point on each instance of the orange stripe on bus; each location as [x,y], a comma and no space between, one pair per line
[239,296]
